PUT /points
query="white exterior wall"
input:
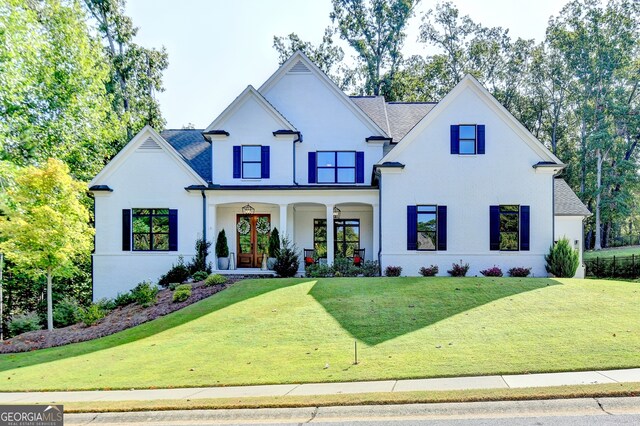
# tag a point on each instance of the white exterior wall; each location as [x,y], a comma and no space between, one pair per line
[326,123]
[468,186]
[252,124]
[570,227]
[149,179]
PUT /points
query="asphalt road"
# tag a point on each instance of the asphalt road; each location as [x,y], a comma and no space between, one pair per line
[582,411]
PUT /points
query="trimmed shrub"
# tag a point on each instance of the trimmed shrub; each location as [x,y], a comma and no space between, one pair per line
[430,271]
[106,305]
[199,262]
[458,269]
[23,323]
[215,279]
[519,272]
[562,260]
[66,312]
[92,314]
[344,267]
[145,294]
[287,262]
[274,243]
[200,276]
[123,299]
[319,270]
[178,273]
[393,271]
[182,293]
[222,248]
[370,268]
[492,272]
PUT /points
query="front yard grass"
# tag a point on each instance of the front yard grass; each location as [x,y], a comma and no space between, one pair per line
[303,330]
[610,252]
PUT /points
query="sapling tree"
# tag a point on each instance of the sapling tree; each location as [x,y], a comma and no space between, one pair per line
[46,223]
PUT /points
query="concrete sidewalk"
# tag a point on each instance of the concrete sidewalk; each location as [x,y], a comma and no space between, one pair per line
[453,383]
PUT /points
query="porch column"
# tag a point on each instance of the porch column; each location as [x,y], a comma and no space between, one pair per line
[330,236]
[283,220]
[376,231]
[213,234]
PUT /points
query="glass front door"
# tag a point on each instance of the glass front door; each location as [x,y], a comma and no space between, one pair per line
[252,236]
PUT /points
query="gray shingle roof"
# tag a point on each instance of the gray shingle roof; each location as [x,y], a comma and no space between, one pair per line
[375,108]
[566,201]
[193,148]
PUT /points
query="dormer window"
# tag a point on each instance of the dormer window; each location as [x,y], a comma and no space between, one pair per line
[467,139]
[251,162]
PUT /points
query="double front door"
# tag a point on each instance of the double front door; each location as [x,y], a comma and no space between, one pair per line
[252,236]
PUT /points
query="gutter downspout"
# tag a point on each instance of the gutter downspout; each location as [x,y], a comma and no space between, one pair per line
[297,139]
[204,215]
[379,221]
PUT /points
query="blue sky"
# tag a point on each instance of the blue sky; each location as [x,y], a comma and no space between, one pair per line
[218,47]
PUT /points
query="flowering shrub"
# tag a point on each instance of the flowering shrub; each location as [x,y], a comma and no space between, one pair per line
[431,271]
[519,272]
[393,271]
[492,272]
[458,269]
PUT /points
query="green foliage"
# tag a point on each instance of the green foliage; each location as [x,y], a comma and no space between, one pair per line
[430,271]
[287,262]
[458,269]
[92,314]
[344,267]
[123,299]
[200,276]
[199,262]
[178,273]
[145,294]
[215,279]
[319,270]
[66,312]
[370,268]
[393,271]
[562,260]
[23,323]
[274,243]
[182,293]
[222,248]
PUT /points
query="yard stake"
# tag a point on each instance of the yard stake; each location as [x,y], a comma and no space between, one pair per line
[355,350]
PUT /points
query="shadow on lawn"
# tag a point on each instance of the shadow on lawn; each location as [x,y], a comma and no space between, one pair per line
[234,294]
[376,310]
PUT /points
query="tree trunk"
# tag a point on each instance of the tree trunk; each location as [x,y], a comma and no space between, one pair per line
[598,244]
[583,156]
[49,301]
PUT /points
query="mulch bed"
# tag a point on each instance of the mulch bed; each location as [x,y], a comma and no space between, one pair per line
[117,320]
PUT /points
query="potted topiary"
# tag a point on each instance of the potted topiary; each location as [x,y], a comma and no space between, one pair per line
[274,248]
[222,251]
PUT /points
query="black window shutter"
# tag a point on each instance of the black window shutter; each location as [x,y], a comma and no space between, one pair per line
[412,228]
[442,227]
[494,228]
[126,230]
[480,130]
[312,167]
[524,227]
[237,162]
[455,139]
[359,167]
[173,230]
[265,162]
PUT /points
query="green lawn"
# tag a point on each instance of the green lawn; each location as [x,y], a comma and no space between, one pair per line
[278,331]
[610,252]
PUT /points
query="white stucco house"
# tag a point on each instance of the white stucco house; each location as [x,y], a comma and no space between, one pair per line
[407,184]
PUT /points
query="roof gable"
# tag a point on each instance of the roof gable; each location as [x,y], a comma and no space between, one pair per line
[566,202]
[298,63]
[249,92]
[147,139]
[470,83]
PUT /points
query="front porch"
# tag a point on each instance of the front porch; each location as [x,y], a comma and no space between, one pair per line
[326,223]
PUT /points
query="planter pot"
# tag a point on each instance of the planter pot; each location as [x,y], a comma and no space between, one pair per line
[263,267]
[223,263]
[271,261]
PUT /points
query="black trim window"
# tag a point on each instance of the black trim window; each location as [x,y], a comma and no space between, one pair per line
[336,167]
[346,237]
[467,139]
[150,229]
[509,227]
[251,161]
[427,227]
